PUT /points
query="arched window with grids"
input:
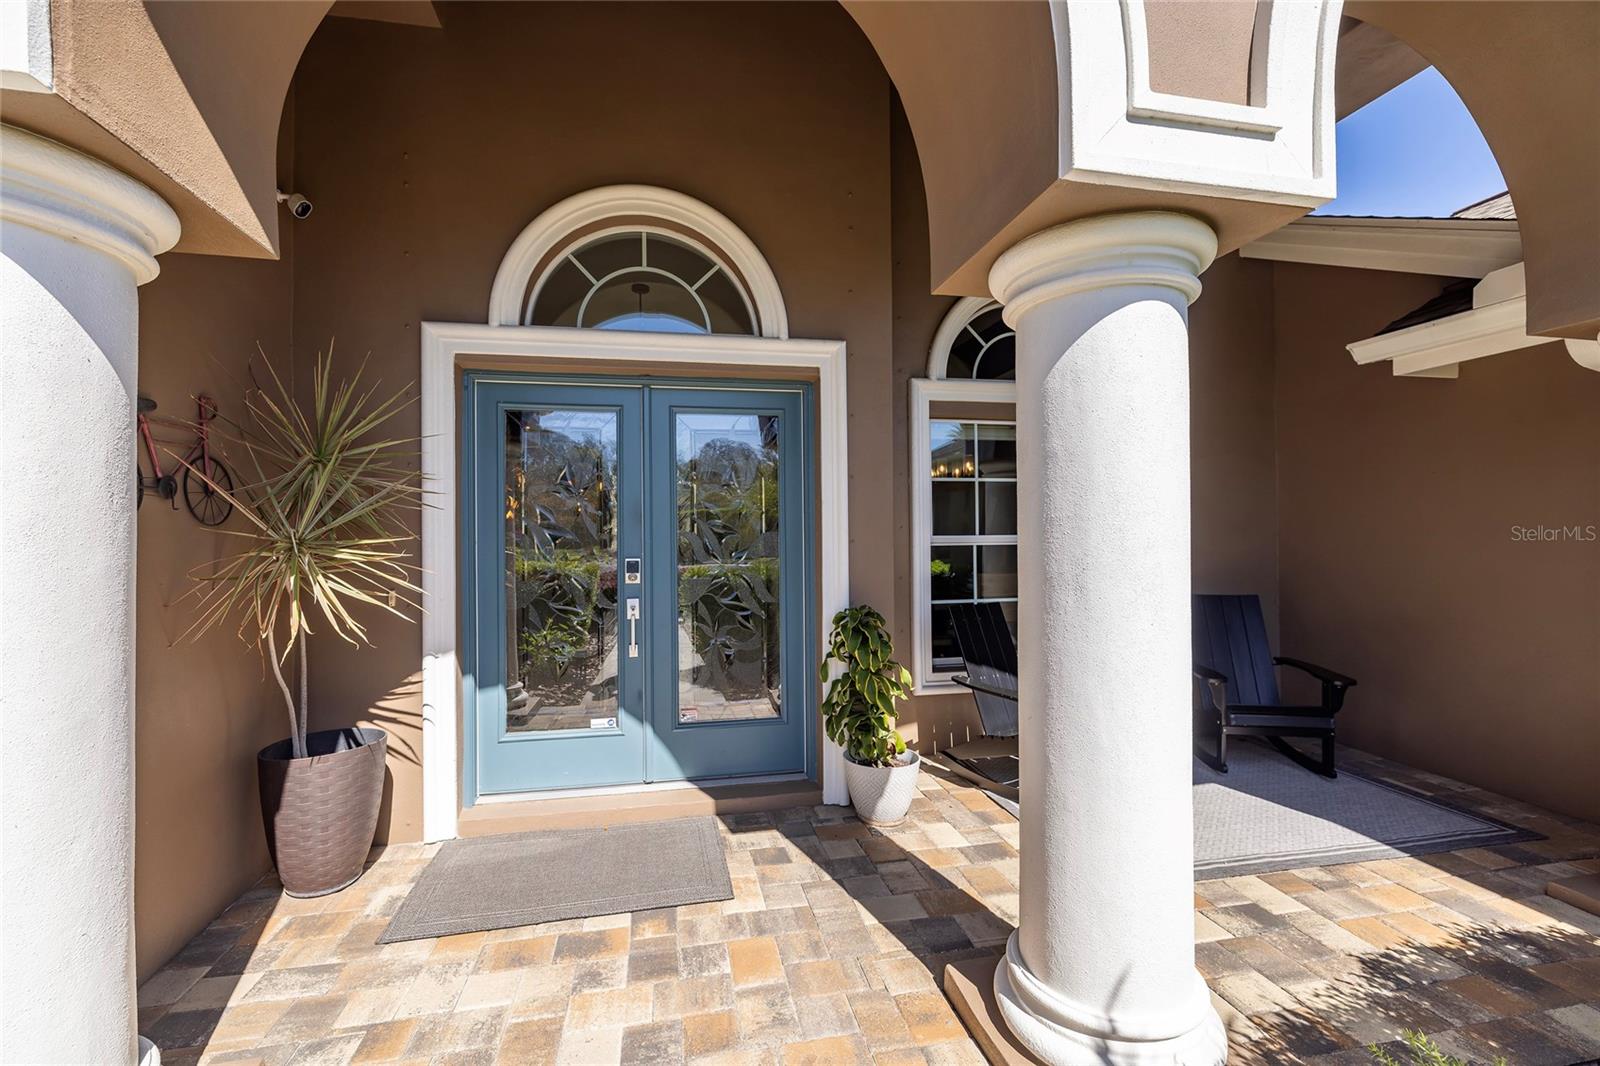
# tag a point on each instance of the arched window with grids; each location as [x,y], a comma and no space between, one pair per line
[645,280]
[964,482]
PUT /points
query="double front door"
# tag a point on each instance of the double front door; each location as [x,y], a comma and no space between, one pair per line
[641,587]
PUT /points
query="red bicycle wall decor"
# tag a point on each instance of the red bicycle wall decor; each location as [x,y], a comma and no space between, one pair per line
[209,507]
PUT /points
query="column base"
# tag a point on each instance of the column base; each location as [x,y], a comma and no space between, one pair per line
[1004,1015]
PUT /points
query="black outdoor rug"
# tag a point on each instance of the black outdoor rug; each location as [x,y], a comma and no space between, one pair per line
[527,878]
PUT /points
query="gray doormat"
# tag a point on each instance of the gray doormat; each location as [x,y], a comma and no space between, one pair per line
[1268,814]
[527,878]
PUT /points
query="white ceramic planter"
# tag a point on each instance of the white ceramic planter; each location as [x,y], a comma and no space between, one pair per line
[882,795]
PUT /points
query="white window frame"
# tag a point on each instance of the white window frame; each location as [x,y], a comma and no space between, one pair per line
[924,392]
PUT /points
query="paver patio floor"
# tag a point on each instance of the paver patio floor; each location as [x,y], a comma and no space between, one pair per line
[832,948]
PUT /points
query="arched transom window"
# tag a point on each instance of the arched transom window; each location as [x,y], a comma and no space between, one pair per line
[974,344]
[641,279]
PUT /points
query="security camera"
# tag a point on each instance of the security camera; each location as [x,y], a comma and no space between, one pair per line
[299,206]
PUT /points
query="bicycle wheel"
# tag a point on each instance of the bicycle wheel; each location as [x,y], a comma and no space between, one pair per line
[209,507]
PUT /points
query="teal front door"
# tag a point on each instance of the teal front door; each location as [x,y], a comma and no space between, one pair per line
[639,592]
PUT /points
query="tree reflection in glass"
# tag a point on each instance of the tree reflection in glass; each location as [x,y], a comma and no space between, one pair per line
[728,575]
[561,569]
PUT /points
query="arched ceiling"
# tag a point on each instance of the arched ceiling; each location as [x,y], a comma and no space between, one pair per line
[188,97]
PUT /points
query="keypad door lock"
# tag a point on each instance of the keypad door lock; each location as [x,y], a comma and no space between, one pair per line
[630,571]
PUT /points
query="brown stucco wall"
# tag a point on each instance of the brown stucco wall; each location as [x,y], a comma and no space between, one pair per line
[202,709]
[427,151]
[1201,50]
[1478,654]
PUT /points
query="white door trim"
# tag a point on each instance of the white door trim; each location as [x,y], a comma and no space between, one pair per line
[444,344]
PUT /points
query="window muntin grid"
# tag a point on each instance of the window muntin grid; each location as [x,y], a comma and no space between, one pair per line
[646,281]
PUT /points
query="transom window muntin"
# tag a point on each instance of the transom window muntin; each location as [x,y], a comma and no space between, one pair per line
[643,279]
[985,349]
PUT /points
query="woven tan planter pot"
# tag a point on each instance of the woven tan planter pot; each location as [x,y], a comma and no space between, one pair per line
[882,794]
[320,812]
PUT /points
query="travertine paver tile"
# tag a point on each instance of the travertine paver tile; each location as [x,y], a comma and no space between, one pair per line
[385,1042]
[930,1018]
[328,1051]
[490,990]
[516,954]
[530,1042]
[879,1019]
[611,1008]
[436,987]
[306,1019]
[710,1033]
[169,985]
[590,945]
[590,1047]
[832,1051]
[823,977]
[691,995]
[653,1044]
[827,1015]
[754,961]
[766,1015]
[836,939]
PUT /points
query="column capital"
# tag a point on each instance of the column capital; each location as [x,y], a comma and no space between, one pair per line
[1161,248]
[58,190]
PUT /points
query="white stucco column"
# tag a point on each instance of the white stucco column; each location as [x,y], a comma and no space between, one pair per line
[76,239]
[1101,967]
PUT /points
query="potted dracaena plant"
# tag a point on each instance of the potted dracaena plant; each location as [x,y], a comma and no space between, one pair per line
[325,536]
[859,714]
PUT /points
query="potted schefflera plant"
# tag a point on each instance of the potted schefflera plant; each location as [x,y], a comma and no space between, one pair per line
[325,538]
[859,713]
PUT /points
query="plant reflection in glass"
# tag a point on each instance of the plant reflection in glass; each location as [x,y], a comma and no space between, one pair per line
[728,573]
[561,572]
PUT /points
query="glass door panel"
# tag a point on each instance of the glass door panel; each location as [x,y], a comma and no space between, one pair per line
[557,504]
[561,569]
[729,478]
[728,568]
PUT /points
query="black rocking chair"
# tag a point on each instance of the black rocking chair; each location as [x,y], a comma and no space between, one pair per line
[1234,659]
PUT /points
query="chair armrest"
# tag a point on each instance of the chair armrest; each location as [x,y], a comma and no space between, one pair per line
[1321,673]
[1216,684]
[978,686]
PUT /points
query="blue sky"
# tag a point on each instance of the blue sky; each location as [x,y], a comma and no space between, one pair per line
[1412,152]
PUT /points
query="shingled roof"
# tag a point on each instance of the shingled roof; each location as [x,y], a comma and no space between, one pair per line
[1496,206]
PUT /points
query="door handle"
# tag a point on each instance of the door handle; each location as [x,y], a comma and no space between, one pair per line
[633,622]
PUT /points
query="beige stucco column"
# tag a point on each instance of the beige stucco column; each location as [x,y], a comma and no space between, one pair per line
[76,240]
[1101,967]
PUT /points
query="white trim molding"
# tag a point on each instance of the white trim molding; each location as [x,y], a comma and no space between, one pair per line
[560,224]
[924,393]
[1497,323]
[1115,129]
[1450,247]
[48,186]
[445,347]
